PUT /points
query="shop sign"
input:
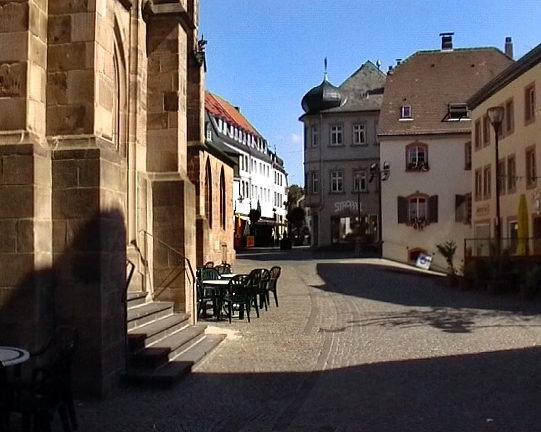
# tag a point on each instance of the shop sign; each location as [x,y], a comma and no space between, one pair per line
[347,205]
[482,210]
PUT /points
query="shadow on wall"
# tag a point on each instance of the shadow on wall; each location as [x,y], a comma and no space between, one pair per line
[83,289]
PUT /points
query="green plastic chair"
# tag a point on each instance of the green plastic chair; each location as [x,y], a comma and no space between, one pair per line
[272,284]
[239,292]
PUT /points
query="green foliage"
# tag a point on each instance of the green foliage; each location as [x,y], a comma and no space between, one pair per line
[295,193]
[254,215]
[296,217]
[533,282]
[448,250]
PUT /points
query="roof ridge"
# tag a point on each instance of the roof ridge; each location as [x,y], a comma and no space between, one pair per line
[439,51]
[231,112]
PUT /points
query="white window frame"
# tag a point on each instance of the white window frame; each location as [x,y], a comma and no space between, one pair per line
[417,208]
[359,134]
[413,154]
[360,178]
[337,138]
[315,136]
[314,182]
[405,112]
[337,181]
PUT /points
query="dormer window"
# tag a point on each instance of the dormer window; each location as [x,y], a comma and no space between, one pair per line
[405,113]
[457,112]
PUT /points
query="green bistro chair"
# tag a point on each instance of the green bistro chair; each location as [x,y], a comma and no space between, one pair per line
[258,281]
[223,268]
[239,293]
[206,294]
[272,284]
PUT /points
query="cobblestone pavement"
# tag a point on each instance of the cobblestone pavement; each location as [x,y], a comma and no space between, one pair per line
[356,345]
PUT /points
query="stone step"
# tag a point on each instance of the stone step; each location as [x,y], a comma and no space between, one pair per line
[145,313]
[136,298]
[145,335]
[166,349]
[180,366]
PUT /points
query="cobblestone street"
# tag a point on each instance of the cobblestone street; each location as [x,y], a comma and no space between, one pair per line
[355,345]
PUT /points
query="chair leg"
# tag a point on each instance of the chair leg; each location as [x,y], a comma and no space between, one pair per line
[275,297]
[255,306]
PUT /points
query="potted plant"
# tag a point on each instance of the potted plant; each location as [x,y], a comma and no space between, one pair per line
[448,250]
[531,284]
[467,279]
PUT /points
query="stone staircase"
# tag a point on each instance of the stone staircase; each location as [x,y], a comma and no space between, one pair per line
[162,345]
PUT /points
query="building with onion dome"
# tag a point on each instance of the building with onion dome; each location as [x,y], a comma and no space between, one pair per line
[340,145]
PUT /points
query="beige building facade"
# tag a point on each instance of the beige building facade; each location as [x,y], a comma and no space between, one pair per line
[517,91]
[100,103]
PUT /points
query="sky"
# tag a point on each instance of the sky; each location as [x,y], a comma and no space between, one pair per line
[263,56]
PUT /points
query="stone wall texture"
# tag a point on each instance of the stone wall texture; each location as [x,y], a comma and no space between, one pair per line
[102,158]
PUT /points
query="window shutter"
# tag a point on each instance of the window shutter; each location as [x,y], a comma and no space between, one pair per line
[460,208]
[402,205]
[433,209]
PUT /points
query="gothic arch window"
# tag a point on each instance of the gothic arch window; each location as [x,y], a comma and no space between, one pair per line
[208,193]
[222,199]
[119,108]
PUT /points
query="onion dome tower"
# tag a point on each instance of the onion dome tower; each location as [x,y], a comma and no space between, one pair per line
[322,97]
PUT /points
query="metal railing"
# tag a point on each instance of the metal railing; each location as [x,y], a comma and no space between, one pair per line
[156,291]
[486,247]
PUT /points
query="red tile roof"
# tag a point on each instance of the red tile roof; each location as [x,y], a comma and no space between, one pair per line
[430,80]
[222,109]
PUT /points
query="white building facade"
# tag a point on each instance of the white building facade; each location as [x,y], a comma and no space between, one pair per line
[261,180]
[425,135]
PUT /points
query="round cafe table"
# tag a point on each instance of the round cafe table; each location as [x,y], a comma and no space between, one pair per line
[10,356]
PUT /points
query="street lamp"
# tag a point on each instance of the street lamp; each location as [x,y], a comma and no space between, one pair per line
[495,115]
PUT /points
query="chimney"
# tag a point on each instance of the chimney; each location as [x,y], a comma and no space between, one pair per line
[446,41]
[509,47]
[398,61]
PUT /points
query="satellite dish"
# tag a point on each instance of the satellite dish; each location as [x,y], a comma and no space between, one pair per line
[378,63]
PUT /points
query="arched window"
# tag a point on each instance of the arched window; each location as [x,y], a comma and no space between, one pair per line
[208,193]
[222,199]
[417,157]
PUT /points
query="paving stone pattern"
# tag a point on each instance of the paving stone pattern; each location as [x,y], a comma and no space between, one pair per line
[356,345]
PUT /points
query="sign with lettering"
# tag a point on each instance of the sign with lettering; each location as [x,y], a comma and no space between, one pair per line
[482,210]
[347,205]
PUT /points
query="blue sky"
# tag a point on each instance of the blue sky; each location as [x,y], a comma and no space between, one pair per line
[263,56]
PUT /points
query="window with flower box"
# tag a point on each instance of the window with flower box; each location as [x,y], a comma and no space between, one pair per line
[417,157]
[417,210]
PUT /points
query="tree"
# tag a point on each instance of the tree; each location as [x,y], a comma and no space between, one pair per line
[296,217]
[295,193]
[254,216]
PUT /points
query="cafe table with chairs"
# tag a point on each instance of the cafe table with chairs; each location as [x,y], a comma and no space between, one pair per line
[228,291]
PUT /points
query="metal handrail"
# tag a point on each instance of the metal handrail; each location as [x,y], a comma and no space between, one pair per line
[186,259]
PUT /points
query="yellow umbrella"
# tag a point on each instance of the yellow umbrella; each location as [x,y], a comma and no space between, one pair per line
[522,226]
